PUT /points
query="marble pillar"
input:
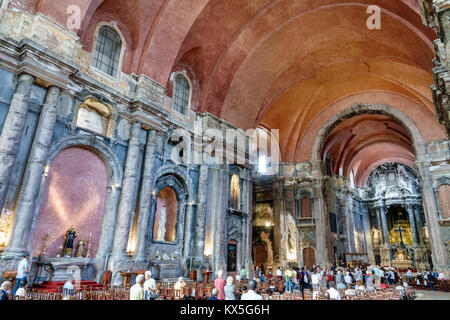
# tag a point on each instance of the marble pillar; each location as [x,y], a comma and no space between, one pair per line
[323,253]
[12,132]
[145,196]
[419,224]
[200,218]
[127,195]
[412,222]
[384,224]
[37,160]
[368,233]
[438,249]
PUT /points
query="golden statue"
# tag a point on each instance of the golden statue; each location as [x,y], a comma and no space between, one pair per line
[69,238]
[80,248]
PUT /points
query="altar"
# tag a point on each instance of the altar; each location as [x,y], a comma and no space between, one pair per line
[60,269]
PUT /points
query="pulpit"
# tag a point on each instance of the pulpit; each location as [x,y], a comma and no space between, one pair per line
[206,275]
[127,277]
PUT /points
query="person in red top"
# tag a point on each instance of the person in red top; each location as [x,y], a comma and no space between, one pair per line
[219,284]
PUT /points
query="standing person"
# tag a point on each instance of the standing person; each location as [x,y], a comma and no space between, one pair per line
[348,279]
[4,290]
[22,271]
[219,284]
[409,274]
[243,274]
[229,289]
[137,291]
[288,277]
[294,280]
[279,273]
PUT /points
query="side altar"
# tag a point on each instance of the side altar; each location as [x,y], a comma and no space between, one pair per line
[60,269]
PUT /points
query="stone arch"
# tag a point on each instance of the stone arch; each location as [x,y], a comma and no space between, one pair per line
[115,172]
[98,147]
[186,205]
[361,108]
[182,175]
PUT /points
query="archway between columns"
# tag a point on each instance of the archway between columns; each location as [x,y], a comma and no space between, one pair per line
[359,109]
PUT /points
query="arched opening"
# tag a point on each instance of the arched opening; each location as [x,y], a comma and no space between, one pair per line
[164,227]
[260,255]
[235,192]
[74,194]
[444,201]
[309,257]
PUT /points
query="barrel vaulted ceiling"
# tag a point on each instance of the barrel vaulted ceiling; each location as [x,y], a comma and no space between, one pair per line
[284,64]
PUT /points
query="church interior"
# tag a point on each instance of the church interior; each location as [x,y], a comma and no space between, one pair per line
[191,136]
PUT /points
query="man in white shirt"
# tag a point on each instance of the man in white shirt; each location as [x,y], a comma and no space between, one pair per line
[149,286]
[348,279]
[334,294]
[279,273]
[22,271]
[251,294]
[137,291]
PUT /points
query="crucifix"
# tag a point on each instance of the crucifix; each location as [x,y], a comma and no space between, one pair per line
[400,230]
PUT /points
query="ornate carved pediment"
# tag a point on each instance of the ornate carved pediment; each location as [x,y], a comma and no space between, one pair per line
[307,243]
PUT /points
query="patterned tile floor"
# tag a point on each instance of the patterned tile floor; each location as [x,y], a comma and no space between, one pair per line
[432,295]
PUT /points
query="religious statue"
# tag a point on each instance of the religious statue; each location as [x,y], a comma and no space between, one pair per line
[88,253]
[162,225]
[235,192]
[69,237]
[265,236]
[376,236]
[80,250]
[44,245]
[425,234]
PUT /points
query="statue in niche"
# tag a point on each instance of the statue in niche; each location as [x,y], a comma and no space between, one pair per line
[425,234]
[80,250]
[162,224]
[291,238]
[69,237]
[265,236]
[376,236]
[235,192]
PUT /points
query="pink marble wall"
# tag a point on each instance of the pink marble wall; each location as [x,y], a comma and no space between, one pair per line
[75,193]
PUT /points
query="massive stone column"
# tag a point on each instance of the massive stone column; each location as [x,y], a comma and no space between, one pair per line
[37,160]
[125,209]
[412,222]
[419,224]
[322,230]
[438,250]
[368,233]
[145,196]
[277,209]
[200,218]
[384,223]
[12,132]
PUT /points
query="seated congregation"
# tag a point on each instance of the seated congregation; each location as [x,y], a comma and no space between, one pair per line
[341,283]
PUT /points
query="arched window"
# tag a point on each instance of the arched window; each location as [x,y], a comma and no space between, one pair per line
[181,94]
[235,192]
[95,116]
[444,200]
[108,51]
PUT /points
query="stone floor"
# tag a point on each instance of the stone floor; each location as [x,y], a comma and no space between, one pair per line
[432,295]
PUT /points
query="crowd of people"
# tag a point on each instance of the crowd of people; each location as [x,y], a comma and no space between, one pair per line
[332,282]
